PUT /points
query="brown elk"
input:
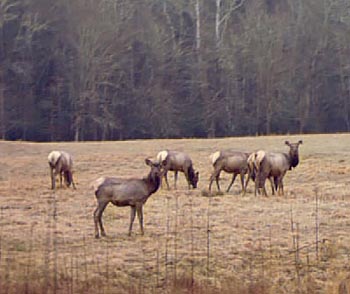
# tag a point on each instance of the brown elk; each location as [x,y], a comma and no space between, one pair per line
[233,162]
[61,163]
[254,161]
[276,165]
[178,161]
[126,192]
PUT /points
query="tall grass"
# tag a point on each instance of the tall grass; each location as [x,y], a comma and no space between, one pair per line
[73,275]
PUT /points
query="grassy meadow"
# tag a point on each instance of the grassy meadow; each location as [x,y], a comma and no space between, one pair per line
[194,242]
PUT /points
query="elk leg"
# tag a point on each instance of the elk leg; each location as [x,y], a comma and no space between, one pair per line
[246,183]
[275,181]
[272,185]
[215,175]
[60,179]
[251,176]
[261,189]
[232,181]
[166,179]
[217,180]
[263,186]
[264,191]
[71,177]
[242,182]
[132,218]
[53,179]
[98,219]
[140,217]
[103,233]
[175,178]
[257,179]
[97,232]
[211,182]
[260,184]
[280,184]
[280,188]
[187,176]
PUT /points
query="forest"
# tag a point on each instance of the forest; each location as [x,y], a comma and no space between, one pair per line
[128,69]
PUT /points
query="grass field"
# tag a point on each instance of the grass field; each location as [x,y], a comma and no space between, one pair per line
[192,243]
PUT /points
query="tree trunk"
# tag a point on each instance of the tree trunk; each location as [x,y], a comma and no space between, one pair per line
[76,134]
[217,24]
[198,30]
[2,110]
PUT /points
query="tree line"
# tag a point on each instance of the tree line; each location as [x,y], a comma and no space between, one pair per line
[121,69]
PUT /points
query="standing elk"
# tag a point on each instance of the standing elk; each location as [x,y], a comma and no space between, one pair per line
[61,164]
[254,161]
[178,161]
[276,165]
[233,162]
[126,192]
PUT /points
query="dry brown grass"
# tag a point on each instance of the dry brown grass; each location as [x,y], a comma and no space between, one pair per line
[192,243]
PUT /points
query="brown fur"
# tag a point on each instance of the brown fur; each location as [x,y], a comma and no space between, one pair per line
[126,192]
[63,167]
[254,161]
[276,165]
[233,162]
[179,161]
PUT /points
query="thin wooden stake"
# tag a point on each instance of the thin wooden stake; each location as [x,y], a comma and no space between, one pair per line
[292,227]
[55,250]
[208,237]
[85,262]
[158,266]
[175,240]
[316,223]
[192,244]
[297,259]
[166,243]
[47,270]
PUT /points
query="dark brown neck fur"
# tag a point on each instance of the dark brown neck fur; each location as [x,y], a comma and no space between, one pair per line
[152,182]
[293,159]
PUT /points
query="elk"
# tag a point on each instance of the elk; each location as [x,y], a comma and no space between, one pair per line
[233,162]
[178,161]
[254,161]
[61,164]
[126,192]
[276,165]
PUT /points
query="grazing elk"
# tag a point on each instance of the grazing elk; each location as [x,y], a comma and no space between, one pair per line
[178,161]
[61,164]
[126,192]
[233,162]
[276,165]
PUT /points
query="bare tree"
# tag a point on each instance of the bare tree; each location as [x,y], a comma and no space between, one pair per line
[96,27]
[6,16]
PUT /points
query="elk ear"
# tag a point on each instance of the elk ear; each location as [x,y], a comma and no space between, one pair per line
[148,162]
[300,142]
[287,143]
